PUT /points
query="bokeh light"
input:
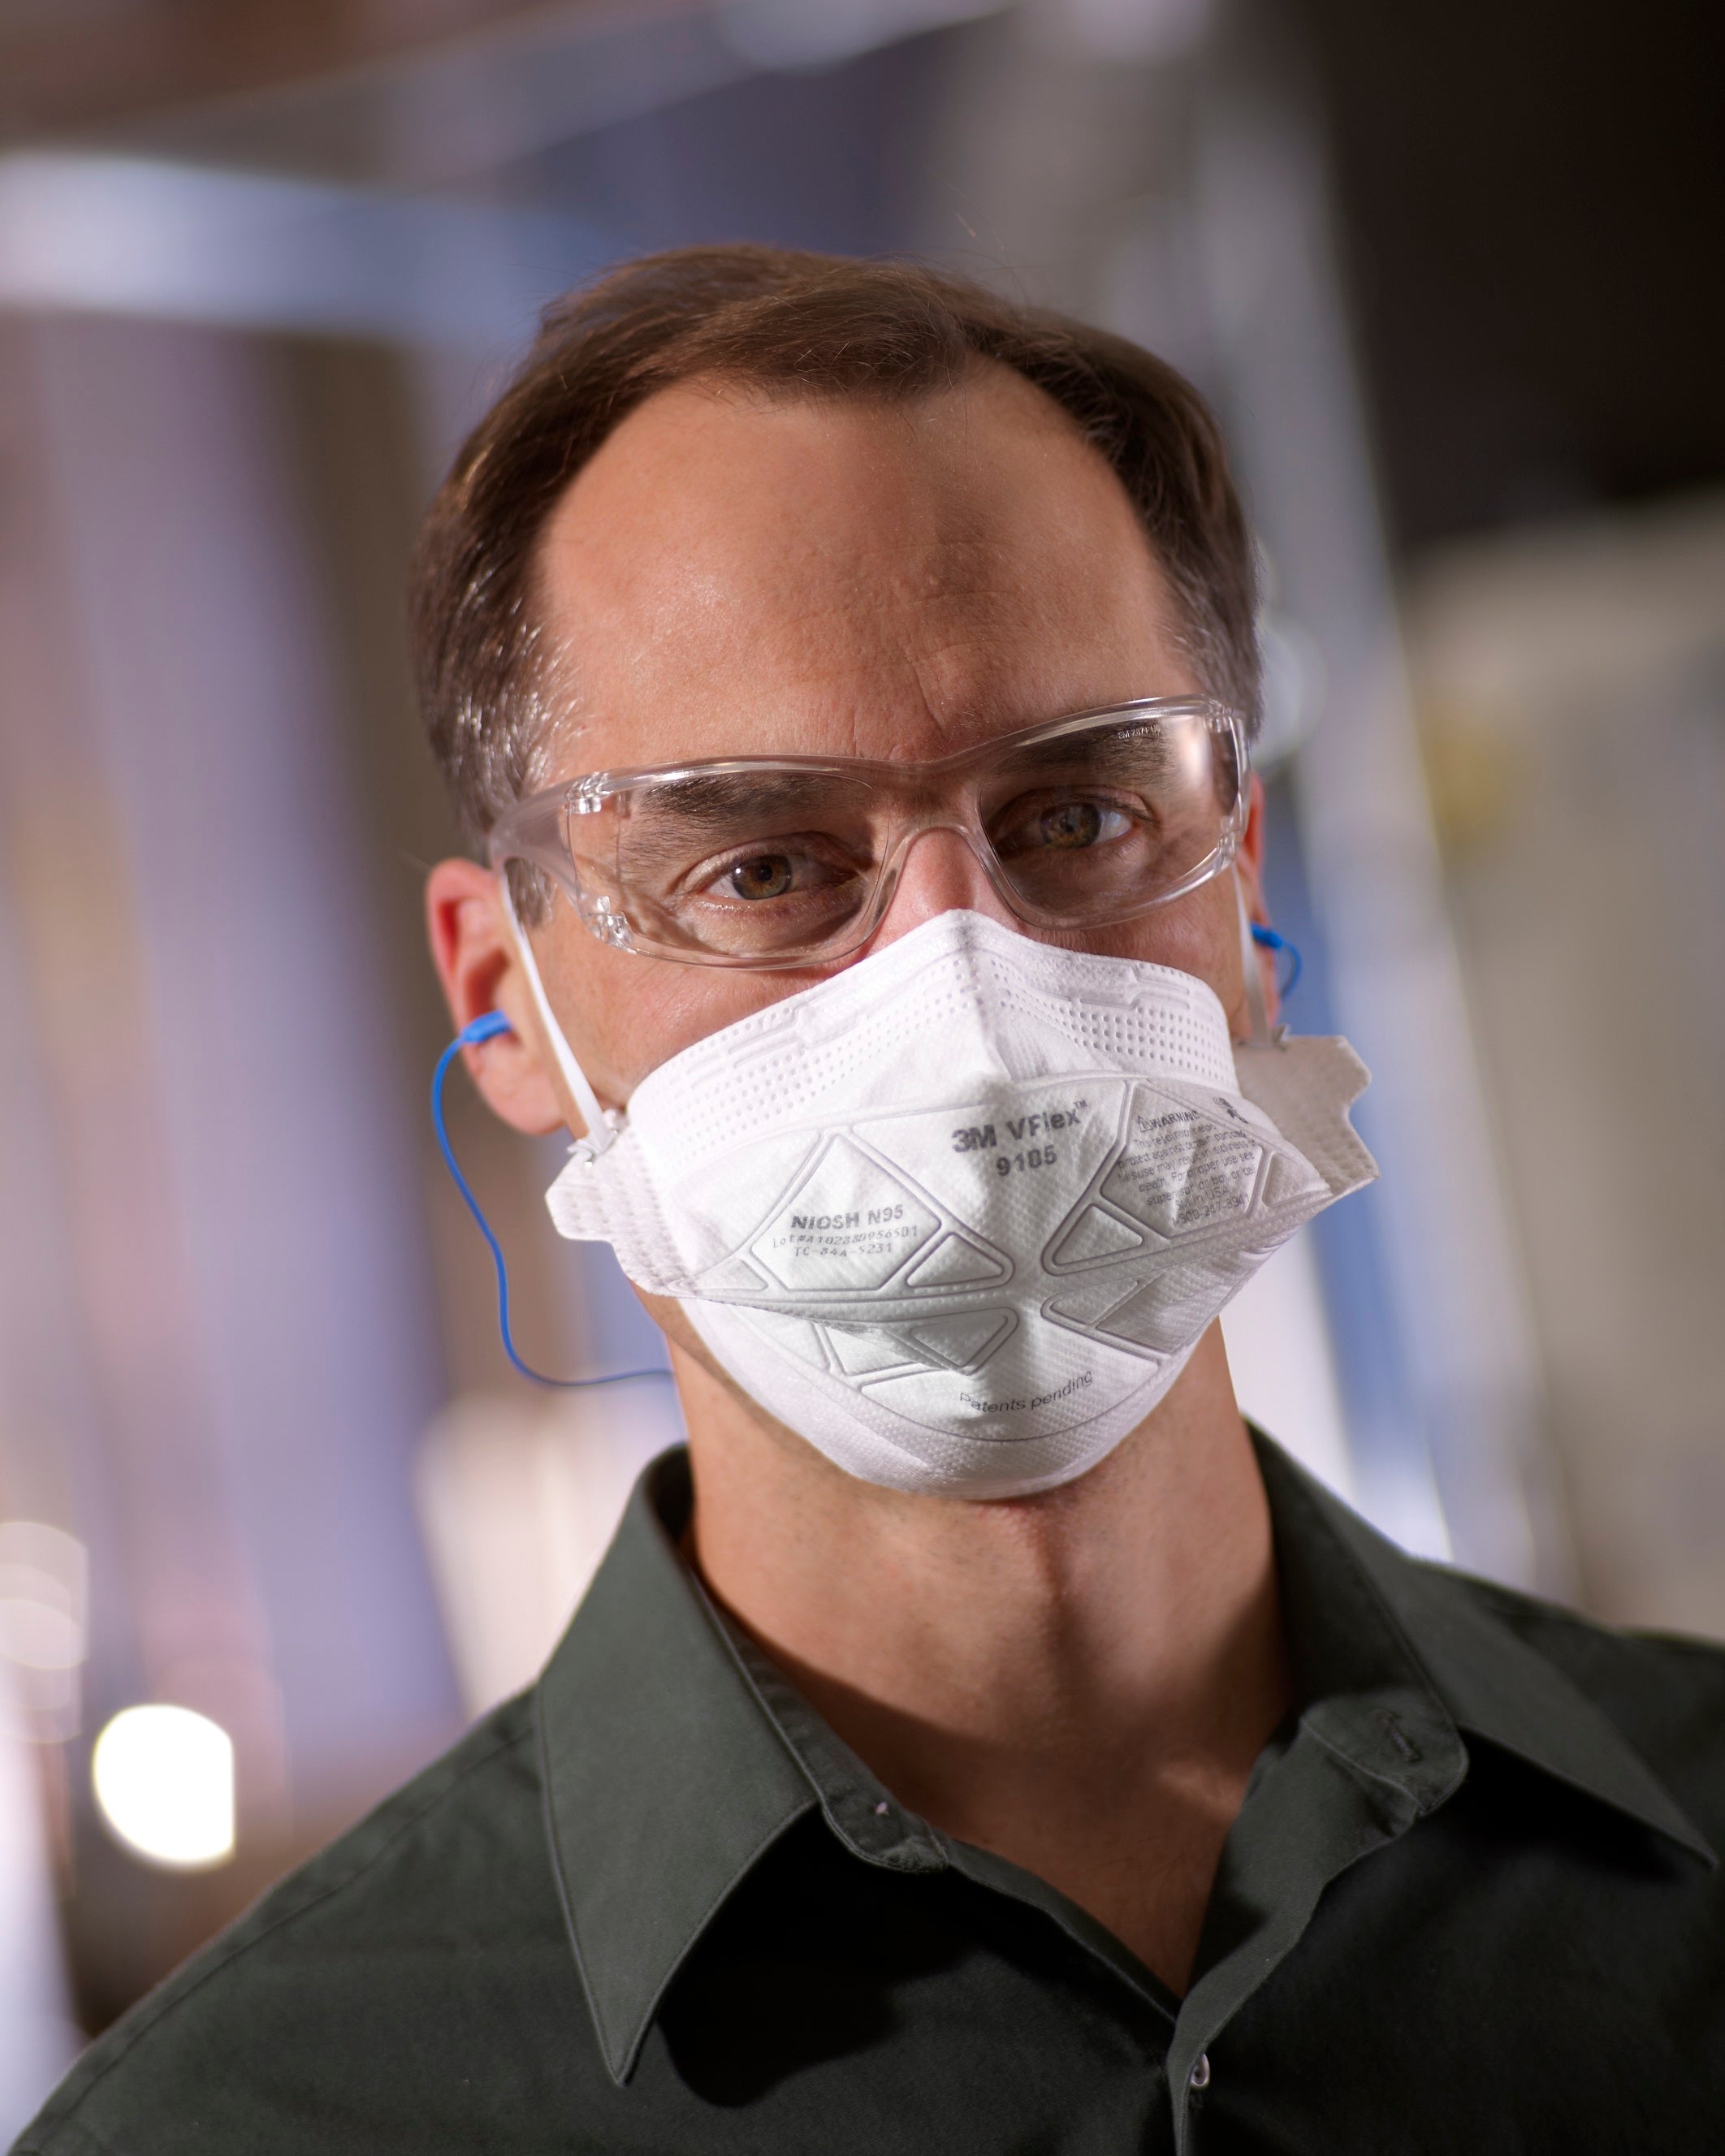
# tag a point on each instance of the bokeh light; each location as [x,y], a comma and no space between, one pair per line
[164,1781]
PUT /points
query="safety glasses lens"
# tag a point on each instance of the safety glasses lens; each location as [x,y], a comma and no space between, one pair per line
[737,863]
[763,863]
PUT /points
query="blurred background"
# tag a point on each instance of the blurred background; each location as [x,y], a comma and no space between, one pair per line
[275,1518]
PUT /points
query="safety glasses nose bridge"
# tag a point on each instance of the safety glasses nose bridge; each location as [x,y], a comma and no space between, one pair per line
[897,835]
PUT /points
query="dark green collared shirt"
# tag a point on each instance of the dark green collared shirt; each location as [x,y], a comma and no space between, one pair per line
[656,1907]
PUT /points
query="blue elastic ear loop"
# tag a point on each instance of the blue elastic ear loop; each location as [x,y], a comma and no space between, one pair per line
[487,1028]
[1272,939]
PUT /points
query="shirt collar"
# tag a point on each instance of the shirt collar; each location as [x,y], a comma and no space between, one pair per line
[1471,1663]
[674,1755]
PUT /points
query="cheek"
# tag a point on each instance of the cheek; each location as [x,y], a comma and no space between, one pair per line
[624,1015]
[1198,934]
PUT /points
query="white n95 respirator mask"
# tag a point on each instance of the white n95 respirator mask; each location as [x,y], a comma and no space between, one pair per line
[959,1213]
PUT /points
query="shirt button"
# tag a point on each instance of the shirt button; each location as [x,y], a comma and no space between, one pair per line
[1199,2078]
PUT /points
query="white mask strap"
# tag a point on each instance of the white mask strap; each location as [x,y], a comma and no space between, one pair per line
[1257,1009]
[601,1122]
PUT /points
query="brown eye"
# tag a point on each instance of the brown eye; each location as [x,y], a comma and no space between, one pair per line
[1073,824]
[767,876]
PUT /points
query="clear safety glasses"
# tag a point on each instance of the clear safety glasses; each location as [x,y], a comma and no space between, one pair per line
[768,861]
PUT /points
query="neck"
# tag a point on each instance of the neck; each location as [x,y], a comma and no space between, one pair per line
[1065,1679]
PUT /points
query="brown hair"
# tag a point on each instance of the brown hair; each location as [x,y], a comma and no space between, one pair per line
[803,326]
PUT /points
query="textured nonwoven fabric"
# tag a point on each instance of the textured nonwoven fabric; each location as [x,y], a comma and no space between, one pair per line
[959,1213]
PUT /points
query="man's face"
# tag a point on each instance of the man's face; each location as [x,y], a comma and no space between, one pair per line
[735,576]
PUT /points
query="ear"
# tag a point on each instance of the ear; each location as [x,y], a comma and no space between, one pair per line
[1249,868]
[474,951]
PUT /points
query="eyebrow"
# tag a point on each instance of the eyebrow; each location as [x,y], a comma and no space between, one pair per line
[704,800]
[1142,752]
[694,806]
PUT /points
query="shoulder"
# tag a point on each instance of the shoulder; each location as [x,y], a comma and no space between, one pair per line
[1663,1692]
[354,1978]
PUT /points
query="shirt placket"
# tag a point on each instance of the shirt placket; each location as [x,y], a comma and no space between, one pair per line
[1357,1775]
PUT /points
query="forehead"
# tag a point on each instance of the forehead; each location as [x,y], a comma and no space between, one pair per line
[737,575]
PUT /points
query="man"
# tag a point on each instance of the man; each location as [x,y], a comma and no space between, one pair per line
[980,1739]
